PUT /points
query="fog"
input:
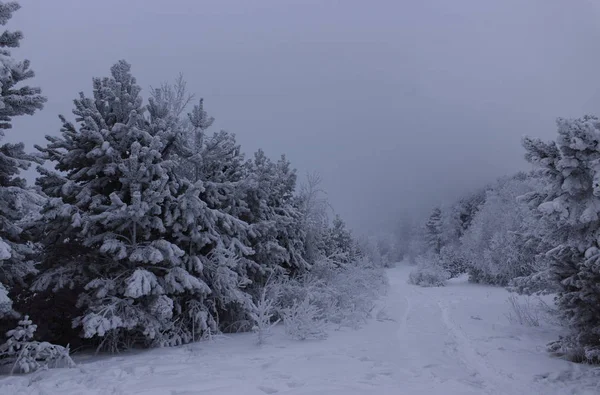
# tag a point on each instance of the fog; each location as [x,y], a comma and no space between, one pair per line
[399,105]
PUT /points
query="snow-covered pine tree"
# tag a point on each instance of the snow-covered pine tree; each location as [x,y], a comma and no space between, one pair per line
[259,194]
[199,121]
[339,246]
[15,199]
[570,208]
[112,230]
[217,161]
[434,230]
[215,164]
[275,215]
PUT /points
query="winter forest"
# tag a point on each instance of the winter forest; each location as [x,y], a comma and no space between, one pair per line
[146,229]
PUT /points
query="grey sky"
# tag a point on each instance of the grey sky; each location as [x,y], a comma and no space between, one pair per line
[398,104]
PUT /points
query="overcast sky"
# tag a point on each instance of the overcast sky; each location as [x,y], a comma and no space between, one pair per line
[398,104]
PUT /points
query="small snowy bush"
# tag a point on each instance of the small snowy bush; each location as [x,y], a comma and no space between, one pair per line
[303,320]
[429,272]
[26,355]
[344,295]
[352,292]
[263,311]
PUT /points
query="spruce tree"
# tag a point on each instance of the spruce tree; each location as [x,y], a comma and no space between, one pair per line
[434,230]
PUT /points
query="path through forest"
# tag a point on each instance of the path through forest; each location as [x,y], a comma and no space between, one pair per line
[450,340]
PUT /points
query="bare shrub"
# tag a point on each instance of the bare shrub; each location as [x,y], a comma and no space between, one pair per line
[524,312]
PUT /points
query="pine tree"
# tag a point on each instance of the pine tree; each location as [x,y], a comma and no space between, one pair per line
[338,243]
[150,253]
[216,164]
[111,230]
[252,242]
[15,199]
[569,207]
[275,215]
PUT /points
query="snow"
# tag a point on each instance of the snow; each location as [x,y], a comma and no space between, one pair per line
[449,340]
[4,251]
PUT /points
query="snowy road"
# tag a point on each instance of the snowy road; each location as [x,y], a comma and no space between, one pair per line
[450,340]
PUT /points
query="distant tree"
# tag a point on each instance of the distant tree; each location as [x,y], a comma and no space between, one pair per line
[339,245]
[458,216]
[403,234]
[433,229]
[315,210]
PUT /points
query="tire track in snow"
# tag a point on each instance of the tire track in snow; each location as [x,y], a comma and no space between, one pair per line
[416,331]
[431,347]
[469,355]
[466,354]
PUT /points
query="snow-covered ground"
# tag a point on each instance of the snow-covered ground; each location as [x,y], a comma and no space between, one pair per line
[451,340]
